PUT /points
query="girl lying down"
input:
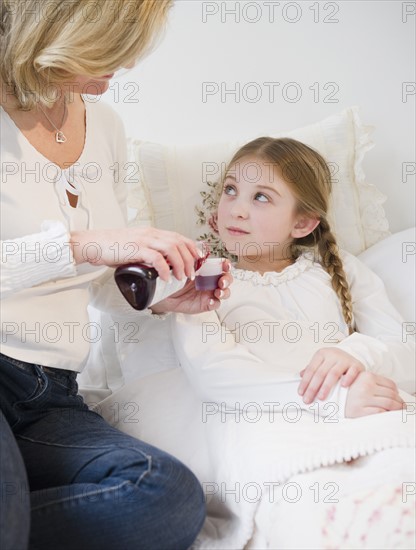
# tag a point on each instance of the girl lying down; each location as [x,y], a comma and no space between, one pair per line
[276,378]
[307,338]
[305,323]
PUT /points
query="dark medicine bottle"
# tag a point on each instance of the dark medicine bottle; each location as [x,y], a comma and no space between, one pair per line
[142,287]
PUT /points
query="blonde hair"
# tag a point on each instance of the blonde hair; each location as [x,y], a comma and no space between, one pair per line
[43,43]
[309,178]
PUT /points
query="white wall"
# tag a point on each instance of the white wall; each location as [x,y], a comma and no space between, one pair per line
[367,52]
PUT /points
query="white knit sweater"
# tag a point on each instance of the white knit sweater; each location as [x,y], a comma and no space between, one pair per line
[44,294]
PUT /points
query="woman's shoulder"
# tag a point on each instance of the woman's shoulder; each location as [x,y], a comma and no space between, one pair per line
[104,126]
[102,111]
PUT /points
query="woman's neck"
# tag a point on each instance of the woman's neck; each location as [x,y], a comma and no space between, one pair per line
[10,102]
[69,119]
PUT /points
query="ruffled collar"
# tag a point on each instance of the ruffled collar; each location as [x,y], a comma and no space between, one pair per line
[303,262]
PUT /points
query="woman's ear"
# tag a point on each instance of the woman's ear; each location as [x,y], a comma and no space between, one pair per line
[304,226]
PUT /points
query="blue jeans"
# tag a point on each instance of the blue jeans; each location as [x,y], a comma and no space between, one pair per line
[90,485]
[14,496]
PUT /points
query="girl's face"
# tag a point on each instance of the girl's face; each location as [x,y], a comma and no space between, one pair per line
[257,215]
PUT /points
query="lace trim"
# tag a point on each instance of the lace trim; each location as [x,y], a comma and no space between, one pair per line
[374,222]
[303,262]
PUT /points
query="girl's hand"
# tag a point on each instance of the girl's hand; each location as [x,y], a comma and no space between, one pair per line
[153,247]
[190,300]
[371,394]
[325,369]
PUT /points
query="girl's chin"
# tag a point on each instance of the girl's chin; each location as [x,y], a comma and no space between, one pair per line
[235,245]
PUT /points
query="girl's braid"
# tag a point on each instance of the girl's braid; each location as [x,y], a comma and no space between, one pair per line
[331,261]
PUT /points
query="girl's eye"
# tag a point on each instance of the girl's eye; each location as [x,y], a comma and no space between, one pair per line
[229,190]
[261,197]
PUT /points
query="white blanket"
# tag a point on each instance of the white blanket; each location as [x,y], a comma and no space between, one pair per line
[249,464]
[270,481]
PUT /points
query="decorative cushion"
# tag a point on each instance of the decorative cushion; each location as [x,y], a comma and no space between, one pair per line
[173,177]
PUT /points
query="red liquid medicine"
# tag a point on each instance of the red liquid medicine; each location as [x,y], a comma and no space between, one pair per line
[208,275]
[209,282]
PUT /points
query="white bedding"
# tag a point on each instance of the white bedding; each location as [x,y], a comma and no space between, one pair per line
[375,509]
[271,483]
[256,480]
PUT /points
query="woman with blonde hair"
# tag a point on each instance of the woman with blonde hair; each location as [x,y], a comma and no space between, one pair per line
[64,471]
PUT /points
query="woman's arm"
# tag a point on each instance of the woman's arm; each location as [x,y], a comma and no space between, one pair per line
[36,259]
[54,252]
[155,247]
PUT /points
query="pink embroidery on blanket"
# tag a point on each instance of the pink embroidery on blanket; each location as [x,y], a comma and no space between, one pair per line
[376,518]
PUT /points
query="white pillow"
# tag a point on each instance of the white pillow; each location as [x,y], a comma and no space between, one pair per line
[394,261]
[172,178]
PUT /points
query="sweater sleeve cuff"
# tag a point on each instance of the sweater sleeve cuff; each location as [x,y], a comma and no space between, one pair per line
[149,313]
[37,258]
[370,351]
[342,402]
[333,407]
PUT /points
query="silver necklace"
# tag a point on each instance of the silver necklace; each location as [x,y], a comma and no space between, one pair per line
[59,135]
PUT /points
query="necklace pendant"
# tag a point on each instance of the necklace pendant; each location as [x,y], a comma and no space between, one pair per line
[60,137]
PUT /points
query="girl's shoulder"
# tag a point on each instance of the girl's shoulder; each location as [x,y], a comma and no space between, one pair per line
[357,272]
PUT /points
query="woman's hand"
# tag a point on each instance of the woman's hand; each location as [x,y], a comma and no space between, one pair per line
[371,394]
[154,247]
[190,300]
[327,366]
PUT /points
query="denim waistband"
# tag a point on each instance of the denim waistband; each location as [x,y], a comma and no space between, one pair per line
[28,367]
